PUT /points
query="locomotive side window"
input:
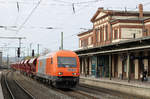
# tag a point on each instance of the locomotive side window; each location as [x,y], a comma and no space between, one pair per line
[51,60]
[67,62]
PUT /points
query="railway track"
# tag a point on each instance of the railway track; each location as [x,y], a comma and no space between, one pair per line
[90,92]
[14,89]
[103,93]
[75,94]
[72,93]
[82,91]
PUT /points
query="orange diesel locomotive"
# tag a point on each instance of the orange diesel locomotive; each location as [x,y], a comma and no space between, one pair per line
[61,69]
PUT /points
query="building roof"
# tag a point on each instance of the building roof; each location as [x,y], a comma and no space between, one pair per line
[133,20]
[118,12]
[86,32]
[147,20]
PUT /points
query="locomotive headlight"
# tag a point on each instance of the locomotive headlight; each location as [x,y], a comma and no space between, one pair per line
[60,73]
[74,73]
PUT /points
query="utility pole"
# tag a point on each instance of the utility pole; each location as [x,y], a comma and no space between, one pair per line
[19,46]
[30,49]
[38,48]
[61,40]
[15,54]
[7,60]
[19,38]
[20,42]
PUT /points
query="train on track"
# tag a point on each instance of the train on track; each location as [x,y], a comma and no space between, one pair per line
[59,69]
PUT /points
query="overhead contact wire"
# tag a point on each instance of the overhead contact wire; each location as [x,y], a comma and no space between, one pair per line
[29,16]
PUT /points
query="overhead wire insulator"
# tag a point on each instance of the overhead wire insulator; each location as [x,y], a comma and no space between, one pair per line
[18,6]
[73,7]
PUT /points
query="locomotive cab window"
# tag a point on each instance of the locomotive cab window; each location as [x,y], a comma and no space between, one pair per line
[67,62]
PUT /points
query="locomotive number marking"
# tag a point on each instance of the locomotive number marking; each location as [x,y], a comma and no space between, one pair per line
[71,69]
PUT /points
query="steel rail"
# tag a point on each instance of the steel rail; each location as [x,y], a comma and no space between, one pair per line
[73,92]
[12,96]
[85,94]
[19,85]
[24,89]
[111,92]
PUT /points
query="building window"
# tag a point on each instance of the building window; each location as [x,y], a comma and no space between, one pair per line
[84,42]
[92,40]
[115,34]
[89,41]
[146,32]
[96,31]
[106,31]
[134,35]
[101,34]
[124,64]
[81,43]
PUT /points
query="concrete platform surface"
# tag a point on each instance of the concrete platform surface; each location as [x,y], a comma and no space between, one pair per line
[133,87]
[1,92]
[119,81]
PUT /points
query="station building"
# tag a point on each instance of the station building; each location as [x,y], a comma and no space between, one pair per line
[118,45]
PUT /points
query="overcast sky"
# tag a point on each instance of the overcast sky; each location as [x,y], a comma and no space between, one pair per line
[59,14]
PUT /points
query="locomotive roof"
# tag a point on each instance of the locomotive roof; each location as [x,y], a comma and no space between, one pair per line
[54,53]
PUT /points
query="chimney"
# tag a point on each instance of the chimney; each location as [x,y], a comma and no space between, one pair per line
[101,8]
[140,10]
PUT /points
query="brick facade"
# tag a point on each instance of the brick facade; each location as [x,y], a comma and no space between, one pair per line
[86,39]
[111,26]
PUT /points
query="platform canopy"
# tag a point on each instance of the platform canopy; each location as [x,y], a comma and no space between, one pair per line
[127,46]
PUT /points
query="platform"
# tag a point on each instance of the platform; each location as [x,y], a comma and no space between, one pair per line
[137,88]
[1,92]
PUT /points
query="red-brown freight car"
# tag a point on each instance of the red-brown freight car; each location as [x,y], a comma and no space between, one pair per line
[32,63]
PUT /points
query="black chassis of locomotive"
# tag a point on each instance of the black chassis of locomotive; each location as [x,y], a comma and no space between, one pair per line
[65,82]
